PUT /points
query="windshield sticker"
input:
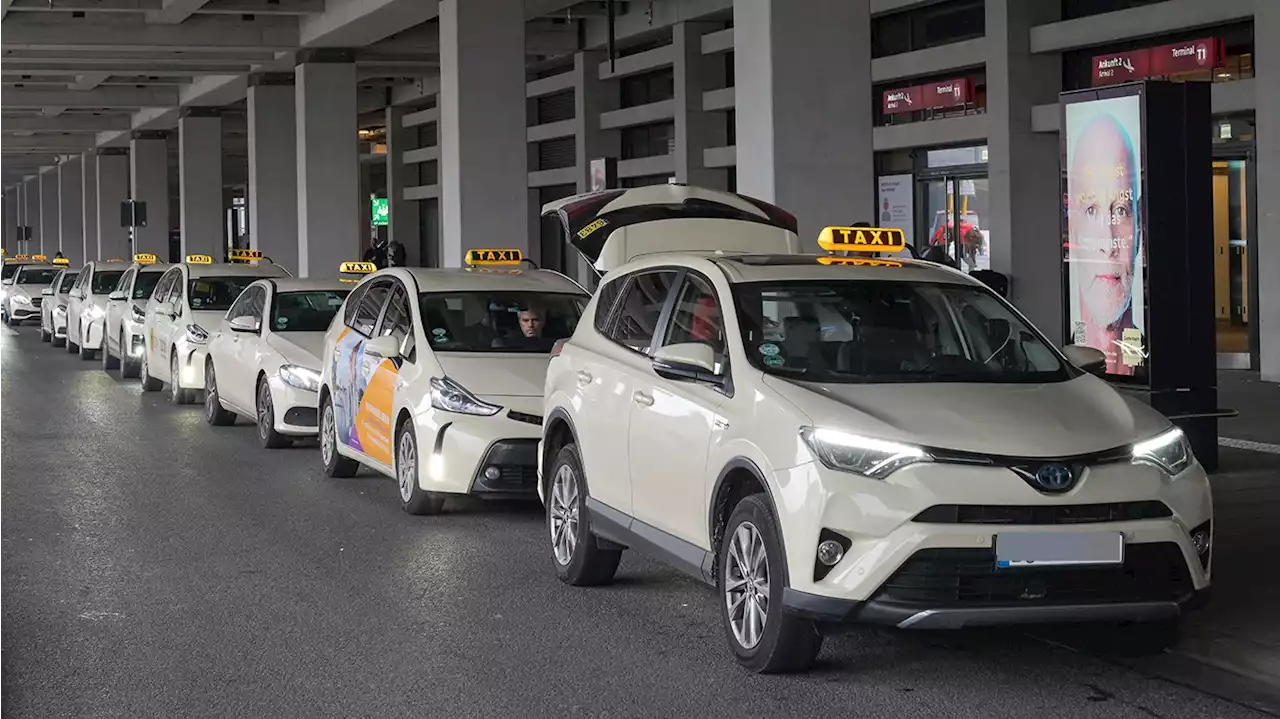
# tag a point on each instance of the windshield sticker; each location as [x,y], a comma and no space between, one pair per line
[196,301]
[282,322]
[769,349]
[773,360]
[439,335]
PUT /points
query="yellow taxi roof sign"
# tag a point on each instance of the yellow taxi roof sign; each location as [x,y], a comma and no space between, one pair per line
[22,257]
[145,258]
[244,255]
[357,268]
[494,257]
[39,258]
[61,261]
[862,239]
[858,261]
[199,260]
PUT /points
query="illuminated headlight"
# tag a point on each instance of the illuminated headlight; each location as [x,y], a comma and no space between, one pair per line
[874,458]
[1169,452]
[197,335]
[95,313]
[137,314]
[300,377]
[453,397]
[21,300]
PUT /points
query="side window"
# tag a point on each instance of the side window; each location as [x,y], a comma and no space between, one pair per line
[697,317]
[608,297]
[353,302]
[246,303]
[123,284]
[81,280]
[166,283]
[642,303]
[397,320]
[366,316]
[178,290]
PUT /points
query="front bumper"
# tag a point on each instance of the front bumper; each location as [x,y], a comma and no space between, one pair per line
[190,364]
[134,338]
[922,545]
[488,456]
[296,411]
[23,312]
[92,333]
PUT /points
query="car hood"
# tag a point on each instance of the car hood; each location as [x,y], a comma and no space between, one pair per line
[23,291]
[496,375]
[300,348]
[1057,419]
[208,319]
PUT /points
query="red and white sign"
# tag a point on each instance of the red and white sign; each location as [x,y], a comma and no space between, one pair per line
[931,96]
[1176,59]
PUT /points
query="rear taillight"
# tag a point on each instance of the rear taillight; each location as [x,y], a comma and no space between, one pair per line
[559,345]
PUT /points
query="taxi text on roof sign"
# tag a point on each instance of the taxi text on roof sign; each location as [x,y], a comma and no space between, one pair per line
[61,261]
[144,258]
[244,255]
[22,257]
[38,258]
[357,268]
[494,257]
[862,239]
[199,260]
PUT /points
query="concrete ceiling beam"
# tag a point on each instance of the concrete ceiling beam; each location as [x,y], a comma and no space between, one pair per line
[88,81]
[357,23]
[172,12]
[58,144]
[66,123]
[103,97]
[110,32]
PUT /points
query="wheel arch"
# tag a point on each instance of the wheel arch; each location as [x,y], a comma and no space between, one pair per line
[557,431]
[738,479]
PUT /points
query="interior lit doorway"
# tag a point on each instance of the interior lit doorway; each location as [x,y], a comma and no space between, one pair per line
[1231,259]
[956,217]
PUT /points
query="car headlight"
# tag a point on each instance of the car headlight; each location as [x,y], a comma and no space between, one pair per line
[60,310]
[300,377]
[21,299]
[137,314]
[874,458]
[1169,452]
[197,335]
[95,313]
[453,397]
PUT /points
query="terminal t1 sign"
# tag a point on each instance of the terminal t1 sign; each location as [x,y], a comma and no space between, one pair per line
[1176,59]
[929,96]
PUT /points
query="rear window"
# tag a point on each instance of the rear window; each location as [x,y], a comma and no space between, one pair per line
[105,282]
[37,275]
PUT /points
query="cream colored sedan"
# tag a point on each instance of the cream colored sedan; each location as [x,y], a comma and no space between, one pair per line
[830,440]
[263,360]
[434,377]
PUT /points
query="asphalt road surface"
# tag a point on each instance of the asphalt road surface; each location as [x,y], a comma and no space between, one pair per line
[156,567]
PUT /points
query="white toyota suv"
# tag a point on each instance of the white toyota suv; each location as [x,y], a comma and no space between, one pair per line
[830,440]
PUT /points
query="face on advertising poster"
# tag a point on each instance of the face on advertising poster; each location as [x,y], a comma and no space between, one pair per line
[1105,255]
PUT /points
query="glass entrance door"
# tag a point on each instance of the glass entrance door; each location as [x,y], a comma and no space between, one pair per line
[1231,258]
[955,218]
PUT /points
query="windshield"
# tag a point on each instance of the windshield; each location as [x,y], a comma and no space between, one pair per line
[309,311]
[68,280]
[9,271]
[499,321]
[144,283]
[216,293]
[37,275]
[878,331]
[105,282]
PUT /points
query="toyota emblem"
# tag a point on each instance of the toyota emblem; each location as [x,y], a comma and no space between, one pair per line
[1054,477]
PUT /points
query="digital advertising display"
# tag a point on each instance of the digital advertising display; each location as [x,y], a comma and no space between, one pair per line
[1106,253]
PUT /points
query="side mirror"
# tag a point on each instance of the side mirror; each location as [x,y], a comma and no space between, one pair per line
[47,292]
[116,296]
[245,324]
[385,347]
[1089,359]
[687,361]
[8,281]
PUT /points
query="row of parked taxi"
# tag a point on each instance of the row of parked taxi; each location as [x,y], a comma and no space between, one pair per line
[825,439]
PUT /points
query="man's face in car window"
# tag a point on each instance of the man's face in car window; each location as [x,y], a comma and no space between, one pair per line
[531,322]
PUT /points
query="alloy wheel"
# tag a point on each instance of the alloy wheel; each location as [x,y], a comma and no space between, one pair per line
[407,465]
[327,434]
[174,389]
[746,585]
[266,418]
[564,514]
[211,396]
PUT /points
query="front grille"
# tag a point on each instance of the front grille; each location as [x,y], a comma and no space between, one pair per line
[35,301]
[515,478]
[524,417]
[965,577]
[301,416]
[1051,514]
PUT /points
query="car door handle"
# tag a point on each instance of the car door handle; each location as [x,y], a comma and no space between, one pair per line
[642,399]
[584,378]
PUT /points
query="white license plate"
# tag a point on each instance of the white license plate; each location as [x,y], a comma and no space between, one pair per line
[1057,549]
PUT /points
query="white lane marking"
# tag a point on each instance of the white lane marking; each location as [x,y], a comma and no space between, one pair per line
[1251,446]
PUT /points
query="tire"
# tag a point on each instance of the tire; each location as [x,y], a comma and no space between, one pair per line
[109,361]
[413,498]
[579,559]
[775,643]
[177,395]
[214,414]
[335,465]
[87,354]
[268,437]
[57,341]
[72,347]
[149,383]
[128,365]
[45,335]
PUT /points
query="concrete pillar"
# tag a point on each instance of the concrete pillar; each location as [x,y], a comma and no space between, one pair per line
[11,220]
[484,177]
[71,211]
[47,242]
[31,213]
[272,198]
[1023,166]
[89,204]
[111,185]
[200,182]
[592,96]
[328,163]
[366,205]
[1266,23]
[695,128]
[149,160]
[406,220]
[799,144]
